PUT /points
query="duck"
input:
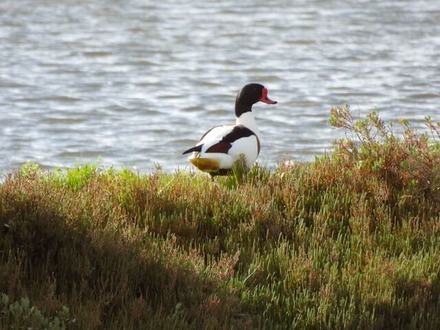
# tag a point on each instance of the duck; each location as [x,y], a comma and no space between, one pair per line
[221,146]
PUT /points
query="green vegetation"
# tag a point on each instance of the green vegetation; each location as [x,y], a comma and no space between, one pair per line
[350,241]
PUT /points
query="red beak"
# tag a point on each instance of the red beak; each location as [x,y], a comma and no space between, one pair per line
[265,99]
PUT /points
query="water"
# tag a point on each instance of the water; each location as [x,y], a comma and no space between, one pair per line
[134,83]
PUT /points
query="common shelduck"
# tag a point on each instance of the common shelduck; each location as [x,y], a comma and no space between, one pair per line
[221,146]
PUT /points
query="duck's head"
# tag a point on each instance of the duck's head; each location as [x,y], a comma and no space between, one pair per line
[249,95]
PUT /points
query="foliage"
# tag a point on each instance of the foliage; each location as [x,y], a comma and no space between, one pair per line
[349,241]
[404,171]
[21,314]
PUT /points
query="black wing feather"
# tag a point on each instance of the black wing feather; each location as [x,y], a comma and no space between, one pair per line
[225,143]
[237,132]
[196,148]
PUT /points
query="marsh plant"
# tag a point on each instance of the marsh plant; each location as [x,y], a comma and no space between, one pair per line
[349,241]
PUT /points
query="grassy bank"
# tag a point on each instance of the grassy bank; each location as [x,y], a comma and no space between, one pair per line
[349,241]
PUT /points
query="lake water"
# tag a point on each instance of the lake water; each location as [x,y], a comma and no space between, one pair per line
[131,83]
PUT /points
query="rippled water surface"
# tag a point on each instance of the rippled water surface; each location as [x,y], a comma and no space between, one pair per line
[133,83]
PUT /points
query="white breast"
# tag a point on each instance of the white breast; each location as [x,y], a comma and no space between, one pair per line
[248,146]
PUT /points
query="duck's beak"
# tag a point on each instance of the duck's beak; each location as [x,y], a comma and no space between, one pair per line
[265,99]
